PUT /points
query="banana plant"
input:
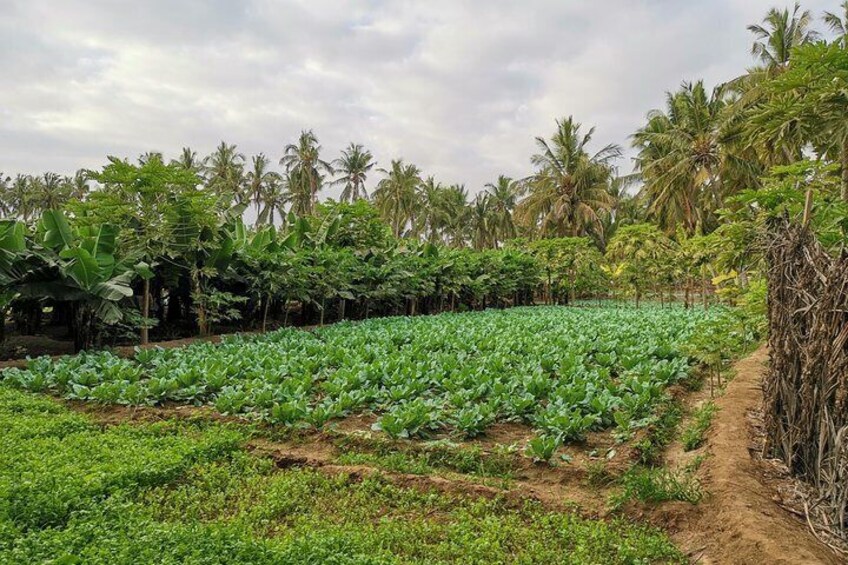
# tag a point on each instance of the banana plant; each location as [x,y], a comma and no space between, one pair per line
[88,275]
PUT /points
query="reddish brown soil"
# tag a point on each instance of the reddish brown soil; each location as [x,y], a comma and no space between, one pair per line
[740,522]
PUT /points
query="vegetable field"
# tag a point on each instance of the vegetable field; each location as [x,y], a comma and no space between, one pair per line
[562,371]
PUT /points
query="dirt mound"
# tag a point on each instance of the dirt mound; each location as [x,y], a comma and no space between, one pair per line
[741,522]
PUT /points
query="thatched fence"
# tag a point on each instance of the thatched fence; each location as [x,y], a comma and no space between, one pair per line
[806,390]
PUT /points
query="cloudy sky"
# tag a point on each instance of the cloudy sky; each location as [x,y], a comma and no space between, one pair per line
[459,87]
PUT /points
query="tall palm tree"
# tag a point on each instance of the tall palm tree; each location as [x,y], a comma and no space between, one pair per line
[778,33]
[354,165]
[78,184]
[224,170]
[304,166]
[396,196]
[456,213]
[627,209]
[51,192]
[838,24]
[569,190]
[274,198]
[503,197]
[189,161]
[21,199]
[258,179]
[686,168]
[430,220]
[482,234]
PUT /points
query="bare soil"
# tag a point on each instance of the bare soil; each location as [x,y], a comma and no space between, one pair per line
[741,521]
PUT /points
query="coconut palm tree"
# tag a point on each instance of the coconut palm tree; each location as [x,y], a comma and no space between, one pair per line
[778,33]
[51,192]
[77,186]
[396,196]
[189,161]
[258,179]
[274,197]
[503,197]
[224,171]
[456,213]
[838,24]
[354,165]
[686,168]
[430,220]
[569,190]
[20,198]
[304,166]
[480,222]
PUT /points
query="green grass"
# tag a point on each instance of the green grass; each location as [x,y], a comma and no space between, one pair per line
[73,492]
[658,485]
[694,434]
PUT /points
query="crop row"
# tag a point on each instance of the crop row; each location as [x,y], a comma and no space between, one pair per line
[564,371]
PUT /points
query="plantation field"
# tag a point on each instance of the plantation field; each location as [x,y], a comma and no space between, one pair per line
[72,492]
[79,487]
[563,371]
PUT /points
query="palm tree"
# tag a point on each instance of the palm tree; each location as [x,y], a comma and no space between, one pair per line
[503,197]
[354,165]
[686,168]
[189,161]
[20,197]
[274,198]
[430,219]
[838,24]
[569,190]
[628,208]
[456,214]
[224,170]
[396,196]
[779,32]
[51,192]
[258,180]
[482,235]
[78,184]
[304,167]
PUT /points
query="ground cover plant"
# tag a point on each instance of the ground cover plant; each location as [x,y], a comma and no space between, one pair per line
[563,371]
[72,491]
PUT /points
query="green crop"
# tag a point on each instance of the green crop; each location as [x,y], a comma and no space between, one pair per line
[565,371]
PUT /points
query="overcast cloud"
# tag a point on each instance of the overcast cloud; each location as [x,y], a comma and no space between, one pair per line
[458,87]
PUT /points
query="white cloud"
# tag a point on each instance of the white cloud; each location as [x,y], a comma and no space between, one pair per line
[458,87]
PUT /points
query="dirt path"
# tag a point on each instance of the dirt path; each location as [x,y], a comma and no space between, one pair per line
[740,523]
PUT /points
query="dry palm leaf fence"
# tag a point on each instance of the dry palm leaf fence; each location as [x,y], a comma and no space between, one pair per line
[806,389]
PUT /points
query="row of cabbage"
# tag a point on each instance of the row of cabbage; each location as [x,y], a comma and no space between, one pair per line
[564,371]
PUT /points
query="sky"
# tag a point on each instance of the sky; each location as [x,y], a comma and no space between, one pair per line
[459,87]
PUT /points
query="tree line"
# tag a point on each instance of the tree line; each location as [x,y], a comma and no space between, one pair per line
[158,243]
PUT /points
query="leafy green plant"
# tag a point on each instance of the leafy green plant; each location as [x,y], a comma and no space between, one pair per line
[542,448]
